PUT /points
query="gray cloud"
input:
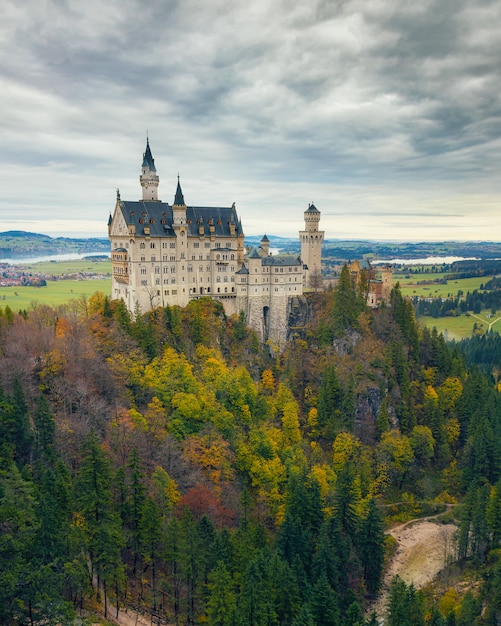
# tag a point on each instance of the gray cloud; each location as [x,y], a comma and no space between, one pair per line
[373,108]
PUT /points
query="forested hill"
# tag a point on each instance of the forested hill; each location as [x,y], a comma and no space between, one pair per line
[19,243]
[169,463]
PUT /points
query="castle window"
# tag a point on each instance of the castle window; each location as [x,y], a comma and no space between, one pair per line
[143,258]
[174,292]
[207,244]
[218,256]
[143,270]
[182,255]
[157,281]
[153,258]
[157,269]
[165,257]
[200,257]
[172,258]
[142,246]
[192,257]
[218,245]
[218,279]
[196,244]
[190,268]
[172,280]
[232,257]
[144,283]
[201,268]
[164,244]
[172,244]
[152,245]
[232,279]
[232,268]
[173,269]
[225,279]
[228,244]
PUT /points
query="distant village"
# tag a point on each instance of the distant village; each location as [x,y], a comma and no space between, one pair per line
[19,276]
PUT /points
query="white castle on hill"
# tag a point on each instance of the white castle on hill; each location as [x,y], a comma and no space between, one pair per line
[164,255]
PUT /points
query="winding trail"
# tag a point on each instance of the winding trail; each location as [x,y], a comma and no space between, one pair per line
[425,547]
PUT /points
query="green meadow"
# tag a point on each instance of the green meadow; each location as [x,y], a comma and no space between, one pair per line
[58,268]
[462,326]
[55,293]
[58,292]
[409,286]
[452,327]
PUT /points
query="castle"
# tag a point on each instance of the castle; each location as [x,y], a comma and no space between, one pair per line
[165,255]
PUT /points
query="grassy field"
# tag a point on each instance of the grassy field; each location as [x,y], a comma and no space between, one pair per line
[462,327]
[409,286]
[70,267]
[55,293]
[58,291]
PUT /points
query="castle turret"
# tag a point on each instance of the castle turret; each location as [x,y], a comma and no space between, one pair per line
[149,179]
[265,246]
[179,207]
[311,244]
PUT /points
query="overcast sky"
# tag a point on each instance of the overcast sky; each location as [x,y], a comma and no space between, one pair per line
[384,113]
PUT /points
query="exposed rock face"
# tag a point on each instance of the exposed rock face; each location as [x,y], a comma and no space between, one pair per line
[366,412]
[346,344]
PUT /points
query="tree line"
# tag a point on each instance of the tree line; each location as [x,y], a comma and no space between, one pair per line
[170,463]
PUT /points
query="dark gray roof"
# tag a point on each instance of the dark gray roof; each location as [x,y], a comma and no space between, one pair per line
[265,239]
[282,260]
[242,270]
[312,209]
[148,160]
[253,254]
[158,216]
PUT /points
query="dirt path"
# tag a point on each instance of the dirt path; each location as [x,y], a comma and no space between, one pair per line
[424,547]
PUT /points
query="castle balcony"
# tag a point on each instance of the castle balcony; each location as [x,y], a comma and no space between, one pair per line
[120,265]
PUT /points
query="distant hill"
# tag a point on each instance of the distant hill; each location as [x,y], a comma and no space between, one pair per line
[19,243]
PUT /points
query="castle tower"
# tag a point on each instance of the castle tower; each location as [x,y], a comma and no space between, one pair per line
[311,244]
[149,179]
[387,278]
[265,246]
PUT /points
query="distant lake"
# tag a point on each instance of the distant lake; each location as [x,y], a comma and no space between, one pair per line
[71,256]
[429,260]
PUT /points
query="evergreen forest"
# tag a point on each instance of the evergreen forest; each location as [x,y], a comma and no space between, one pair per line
[170,464]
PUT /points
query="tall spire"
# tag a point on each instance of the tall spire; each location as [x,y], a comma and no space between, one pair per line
[148,160]
[179,198]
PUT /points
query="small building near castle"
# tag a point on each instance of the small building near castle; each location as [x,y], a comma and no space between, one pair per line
[164,255]
[378,281]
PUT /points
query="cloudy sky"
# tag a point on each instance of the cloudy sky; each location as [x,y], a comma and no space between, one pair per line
[384,113]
